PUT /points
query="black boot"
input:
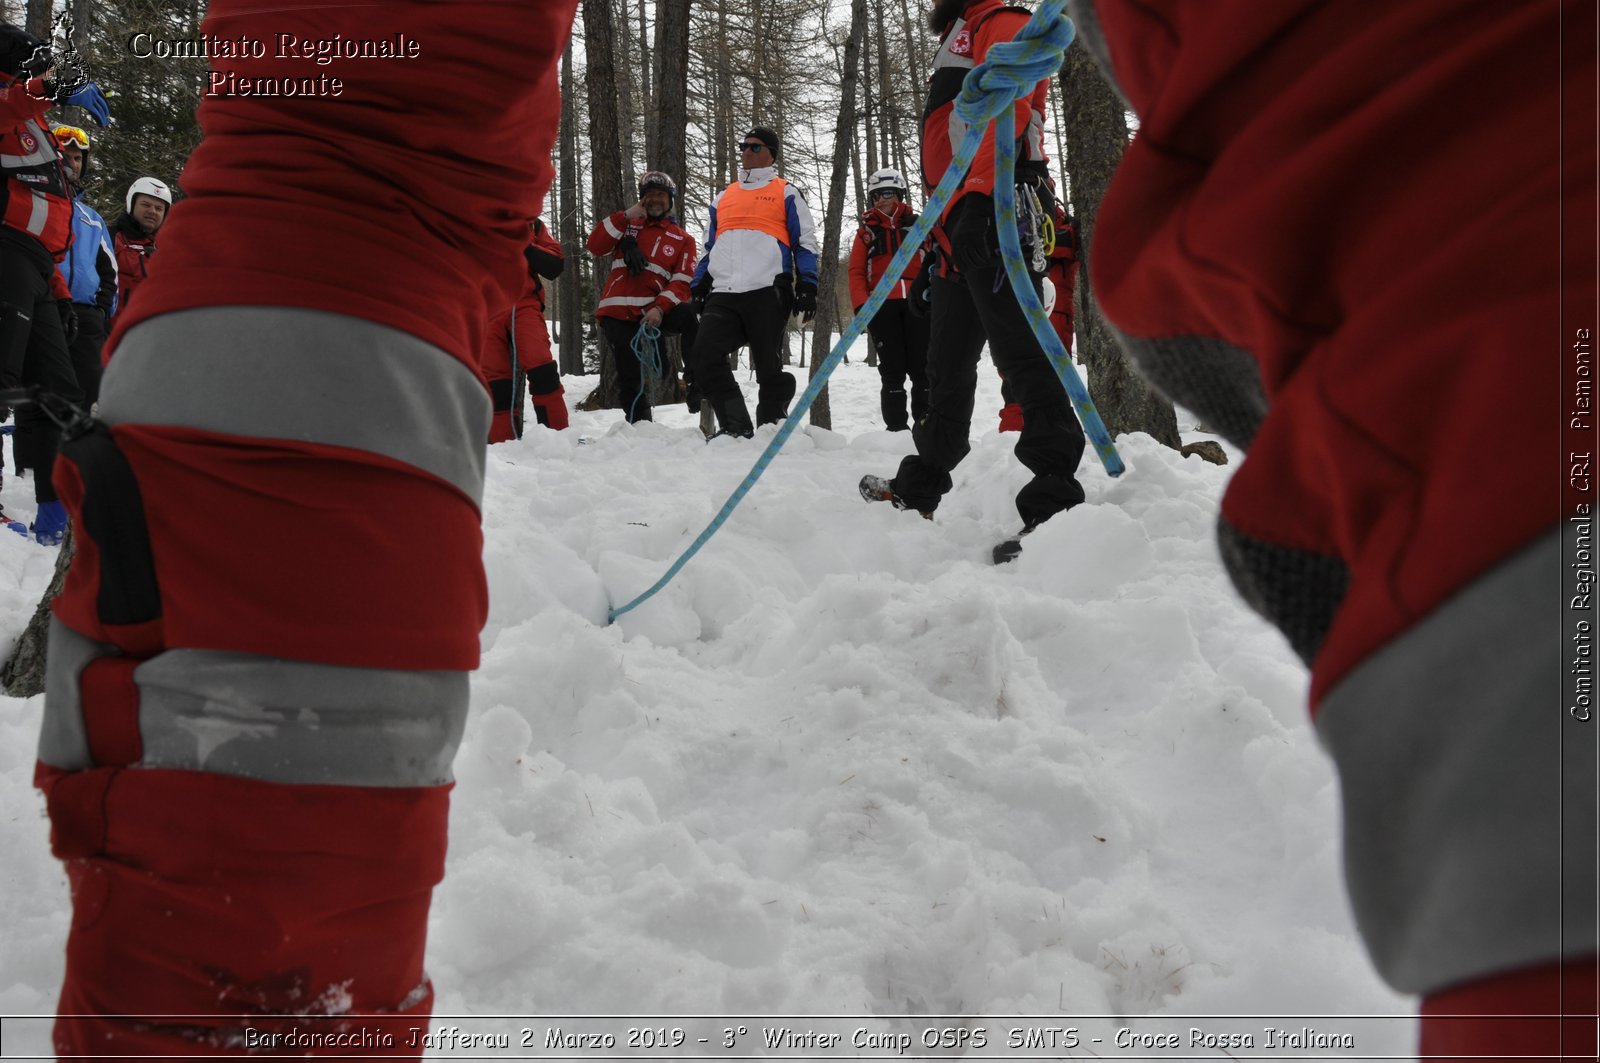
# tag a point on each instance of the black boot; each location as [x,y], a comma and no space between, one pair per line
[893,403]
[733,416]
[775,394]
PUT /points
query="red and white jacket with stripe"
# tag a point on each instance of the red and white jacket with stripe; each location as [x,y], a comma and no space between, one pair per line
[877,241]
[34,198]
[664,282]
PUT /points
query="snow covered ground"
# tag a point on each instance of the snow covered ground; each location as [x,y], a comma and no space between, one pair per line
[843,765]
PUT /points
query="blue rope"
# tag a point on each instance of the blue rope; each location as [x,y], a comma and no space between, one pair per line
[1009,72]
[646,345]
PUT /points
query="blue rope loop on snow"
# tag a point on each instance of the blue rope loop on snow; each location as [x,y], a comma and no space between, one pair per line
[1009,72]
[646,346]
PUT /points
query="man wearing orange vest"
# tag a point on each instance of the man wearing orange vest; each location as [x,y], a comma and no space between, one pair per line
[760,238]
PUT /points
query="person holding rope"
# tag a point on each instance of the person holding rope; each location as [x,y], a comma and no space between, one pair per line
[652,263]
[971,299]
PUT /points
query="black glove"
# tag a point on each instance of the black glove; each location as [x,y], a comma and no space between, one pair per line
[632,256]
[974,244]
[700,293]
[69,318]
[542,265]
[919,300]
[805,300]
[783,284]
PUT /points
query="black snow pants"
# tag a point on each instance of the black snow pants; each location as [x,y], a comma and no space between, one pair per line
[967,310]
[619,337]
[733,320]
[901,340]
[33,350]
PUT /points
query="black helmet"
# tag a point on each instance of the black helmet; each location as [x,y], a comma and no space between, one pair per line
[656,179]
[21,53]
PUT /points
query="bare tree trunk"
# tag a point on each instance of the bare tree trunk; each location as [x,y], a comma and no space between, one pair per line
[569,289]
[625,72]
[672,92]
[1096,133]
[827,304]
[39,18]
[869,112]
[648,109]
[889,124]
[23,674]
[723,148]
[605,160]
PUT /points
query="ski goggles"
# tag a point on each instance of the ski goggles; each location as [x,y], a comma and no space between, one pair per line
[70,134]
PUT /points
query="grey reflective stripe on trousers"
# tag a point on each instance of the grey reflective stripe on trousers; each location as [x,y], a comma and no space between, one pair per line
[306,376]
[270,719]
[309,376]
[1460,821]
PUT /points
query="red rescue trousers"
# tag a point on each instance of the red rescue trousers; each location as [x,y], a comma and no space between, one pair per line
[258,666]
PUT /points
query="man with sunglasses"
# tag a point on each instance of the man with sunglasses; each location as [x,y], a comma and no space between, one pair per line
[90,268]
[759,266]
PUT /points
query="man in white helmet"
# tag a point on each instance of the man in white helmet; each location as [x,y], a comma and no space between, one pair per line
[134,233]
[899,331]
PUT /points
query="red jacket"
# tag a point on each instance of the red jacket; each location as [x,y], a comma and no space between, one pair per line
[983,24]
[1369,521]
[877,241]
[664,283]
[134,250]
[34,198]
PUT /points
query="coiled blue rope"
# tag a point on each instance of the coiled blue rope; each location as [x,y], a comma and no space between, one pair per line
[646,345]
[1009,71]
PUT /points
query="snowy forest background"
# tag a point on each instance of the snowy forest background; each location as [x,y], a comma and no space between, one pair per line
[671,85]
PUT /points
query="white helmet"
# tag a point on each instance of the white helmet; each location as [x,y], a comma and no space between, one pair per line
[148,186]
[886,180]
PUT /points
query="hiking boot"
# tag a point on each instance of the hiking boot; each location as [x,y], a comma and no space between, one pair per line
[50,524]
[877,489]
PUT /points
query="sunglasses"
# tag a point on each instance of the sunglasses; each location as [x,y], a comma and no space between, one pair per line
[750,147]
[66,133]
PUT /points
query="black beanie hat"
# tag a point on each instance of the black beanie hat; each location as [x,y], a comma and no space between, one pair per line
[17,47]
[767,137]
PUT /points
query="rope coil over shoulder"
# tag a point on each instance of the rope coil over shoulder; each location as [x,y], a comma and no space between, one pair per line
[1009,71]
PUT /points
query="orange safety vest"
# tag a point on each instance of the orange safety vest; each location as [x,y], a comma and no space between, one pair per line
[762,209]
